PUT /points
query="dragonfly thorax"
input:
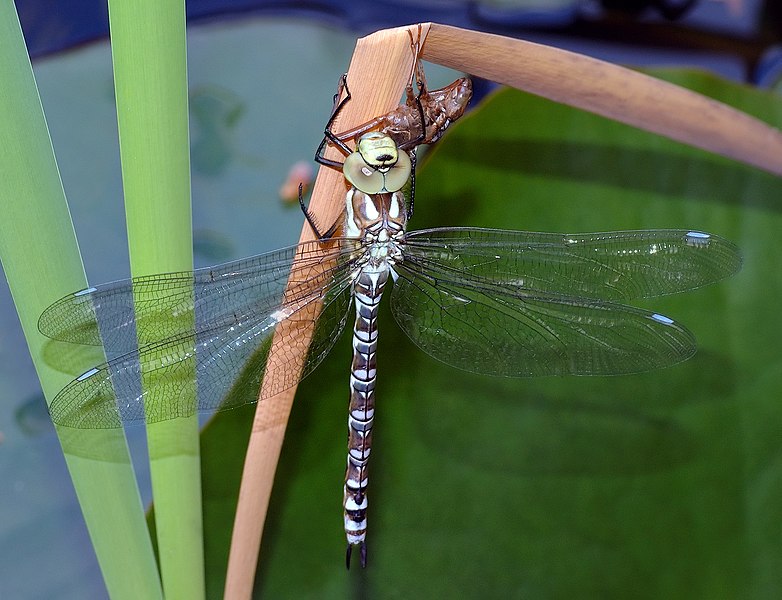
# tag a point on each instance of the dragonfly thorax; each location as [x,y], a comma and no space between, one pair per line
[378,220]
[370,214]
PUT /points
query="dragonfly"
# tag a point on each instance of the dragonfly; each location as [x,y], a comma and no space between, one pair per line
[488,301]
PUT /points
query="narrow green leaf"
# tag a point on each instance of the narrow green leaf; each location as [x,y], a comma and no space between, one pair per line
[41,260]
[150,67]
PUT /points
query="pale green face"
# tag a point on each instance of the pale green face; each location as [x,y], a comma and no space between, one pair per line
[377,149]
[377,165]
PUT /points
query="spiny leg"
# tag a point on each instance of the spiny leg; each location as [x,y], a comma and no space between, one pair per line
[312,221]
[329,135]
[417,75]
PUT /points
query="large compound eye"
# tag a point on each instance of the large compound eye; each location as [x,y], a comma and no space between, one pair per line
[374,180]
[361,176]
[397,176]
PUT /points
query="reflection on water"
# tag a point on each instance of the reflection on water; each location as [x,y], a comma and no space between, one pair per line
[32,417]
[217,112]
[212,246]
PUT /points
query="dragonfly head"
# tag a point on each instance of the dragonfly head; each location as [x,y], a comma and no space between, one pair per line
[377,165]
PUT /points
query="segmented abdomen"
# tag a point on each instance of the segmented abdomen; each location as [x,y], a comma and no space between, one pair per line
[368,288]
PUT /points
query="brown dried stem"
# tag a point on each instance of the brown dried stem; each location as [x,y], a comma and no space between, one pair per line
[611,91]
[377,76]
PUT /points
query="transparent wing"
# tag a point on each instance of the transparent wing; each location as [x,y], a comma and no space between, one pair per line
[617,265]
[474,324]
[173,304]
[222,366]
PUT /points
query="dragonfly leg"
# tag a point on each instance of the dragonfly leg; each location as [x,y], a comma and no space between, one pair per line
[418,76]
[328,134]
[422,135]
[329,233]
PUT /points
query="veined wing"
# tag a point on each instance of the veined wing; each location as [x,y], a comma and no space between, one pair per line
[220,367]
[500,329]
[617,265]
[126,314]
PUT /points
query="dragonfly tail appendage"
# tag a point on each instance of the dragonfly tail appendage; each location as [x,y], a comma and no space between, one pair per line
[362,554]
